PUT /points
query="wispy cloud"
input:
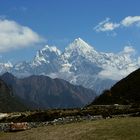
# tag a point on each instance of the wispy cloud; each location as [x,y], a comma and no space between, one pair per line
[107,25]
[3,16]
[23,8]
[19,9]
[119,71]
[15,36]
[128,21]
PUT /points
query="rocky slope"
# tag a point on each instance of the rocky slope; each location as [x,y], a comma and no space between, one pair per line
[41,92]
[126,91]
[9,103]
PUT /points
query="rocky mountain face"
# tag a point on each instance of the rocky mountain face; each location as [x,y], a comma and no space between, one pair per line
[80,64]
[42,92]
[9,103]
[126,91]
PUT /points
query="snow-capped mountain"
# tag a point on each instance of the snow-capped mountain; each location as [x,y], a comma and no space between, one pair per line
[80,64]
[46,55]
[5,67]
[45,61]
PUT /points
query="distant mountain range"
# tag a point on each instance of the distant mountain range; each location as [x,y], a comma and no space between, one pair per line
[9,103]
[42,92]
[80,64]
[126,91]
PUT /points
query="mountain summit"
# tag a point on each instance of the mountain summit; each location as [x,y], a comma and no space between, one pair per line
[79,48]
[46,55]
[79,44]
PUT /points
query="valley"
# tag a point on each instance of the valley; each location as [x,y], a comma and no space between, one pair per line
[69,70]
[104,118]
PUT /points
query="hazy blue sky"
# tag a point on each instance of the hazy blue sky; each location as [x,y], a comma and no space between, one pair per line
[27,25]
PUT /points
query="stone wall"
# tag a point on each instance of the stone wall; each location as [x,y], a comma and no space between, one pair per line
[65,120]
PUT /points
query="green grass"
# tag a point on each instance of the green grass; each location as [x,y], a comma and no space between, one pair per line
[110,129]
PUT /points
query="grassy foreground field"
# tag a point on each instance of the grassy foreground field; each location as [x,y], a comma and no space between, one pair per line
[110,129]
